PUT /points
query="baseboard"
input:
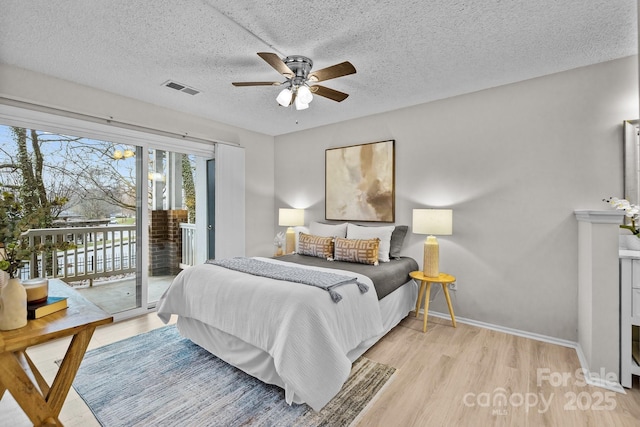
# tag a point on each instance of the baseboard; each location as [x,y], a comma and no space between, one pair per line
[596,380]
[589,377]
[511,331]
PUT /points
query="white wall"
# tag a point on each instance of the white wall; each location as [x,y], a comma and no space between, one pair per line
[513,162]
[27,86]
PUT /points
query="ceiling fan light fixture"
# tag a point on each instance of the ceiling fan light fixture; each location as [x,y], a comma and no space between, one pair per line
[304,94]
[284,97]
[297,71]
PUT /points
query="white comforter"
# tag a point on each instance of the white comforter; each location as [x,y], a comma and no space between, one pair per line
[304,331]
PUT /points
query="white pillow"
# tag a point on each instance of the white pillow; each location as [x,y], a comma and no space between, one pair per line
[328,230]
[382,233]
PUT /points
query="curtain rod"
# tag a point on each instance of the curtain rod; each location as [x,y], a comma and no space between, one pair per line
[108,121]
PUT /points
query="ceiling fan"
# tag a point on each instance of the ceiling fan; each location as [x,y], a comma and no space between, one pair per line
[300,80]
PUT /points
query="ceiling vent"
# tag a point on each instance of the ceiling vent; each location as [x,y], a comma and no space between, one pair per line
[182,88]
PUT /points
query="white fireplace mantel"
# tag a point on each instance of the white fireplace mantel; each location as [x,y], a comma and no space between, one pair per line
[599,293]
[600,217]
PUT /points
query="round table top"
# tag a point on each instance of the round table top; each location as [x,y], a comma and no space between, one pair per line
[442,277]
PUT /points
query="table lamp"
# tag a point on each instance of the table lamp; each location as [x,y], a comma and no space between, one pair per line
[290,218]
[430,222]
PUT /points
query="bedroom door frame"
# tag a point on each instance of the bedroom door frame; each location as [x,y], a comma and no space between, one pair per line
[211,208]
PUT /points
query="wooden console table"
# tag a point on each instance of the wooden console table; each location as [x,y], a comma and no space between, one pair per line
[18,374]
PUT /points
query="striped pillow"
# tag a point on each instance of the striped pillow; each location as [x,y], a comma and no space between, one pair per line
[357,250]
[321,247]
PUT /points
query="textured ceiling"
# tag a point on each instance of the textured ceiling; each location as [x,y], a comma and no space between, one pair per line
[406,52]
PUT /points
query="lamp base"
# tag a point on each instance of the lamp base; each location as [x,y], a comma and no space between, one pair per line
[431,257]
[290,238]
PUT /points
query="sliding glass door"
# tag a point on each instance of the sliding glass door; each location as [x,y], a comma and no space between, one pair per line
[125,210]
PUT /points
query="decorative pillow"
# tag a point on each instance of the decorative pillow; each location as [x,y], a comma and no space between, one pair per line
[328,230]
[321,247]
[300,229]
[357,250]
[397,238]
[382,233]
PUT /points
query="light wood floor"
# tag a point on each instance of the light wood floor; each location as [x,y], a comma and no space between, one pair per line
[74,411]
[446,377]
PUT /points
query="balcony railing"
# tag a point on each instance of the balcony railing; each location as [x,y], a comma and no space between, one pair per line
[188,232]
[99,252]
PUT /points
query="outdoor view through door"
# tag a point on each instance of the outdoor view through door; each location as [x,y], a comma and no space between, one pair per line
[75,206]
[172,210]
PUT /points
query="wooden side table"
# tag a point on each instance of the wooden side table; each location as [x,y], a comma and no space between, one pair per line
[425,284]
[18,374]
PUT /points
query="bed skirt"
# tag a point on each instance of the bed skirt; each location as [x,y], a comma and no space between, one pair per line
[259,364]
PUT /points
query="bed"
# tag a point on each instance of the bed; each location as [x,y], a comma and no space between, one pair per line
[289,334]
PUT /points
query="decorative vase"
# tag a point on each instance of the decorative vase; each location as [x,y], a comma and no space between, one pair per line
[13,303]
[632,242]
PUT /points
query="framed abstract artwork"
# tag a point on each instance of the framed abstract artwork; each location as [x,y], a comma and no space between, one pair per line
[360,182]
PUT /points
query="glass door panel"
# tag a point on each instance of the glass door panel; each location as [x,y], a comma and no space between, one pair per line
[172,217]
[79,196]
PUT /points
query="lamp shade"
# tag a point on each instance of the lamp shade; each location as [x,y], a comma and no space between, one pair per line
[300,105]
[284,97]
[290,217]
[304,95]
[433,221]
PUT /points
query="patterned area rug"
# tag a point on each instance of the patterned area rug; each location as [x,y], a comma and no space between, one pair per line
[161,379]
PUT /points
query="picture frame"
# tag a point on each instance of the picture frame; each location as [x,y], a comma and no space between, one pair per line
[360,182]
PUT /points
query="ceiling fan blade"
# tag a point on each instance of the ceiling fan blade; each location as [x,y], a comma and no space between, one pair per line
[256,83]
[338,70]
[275,61]
[332,94]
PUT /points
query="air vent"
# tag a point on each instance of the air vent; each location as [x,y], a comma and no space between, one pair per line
[190,91]
[181,87]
